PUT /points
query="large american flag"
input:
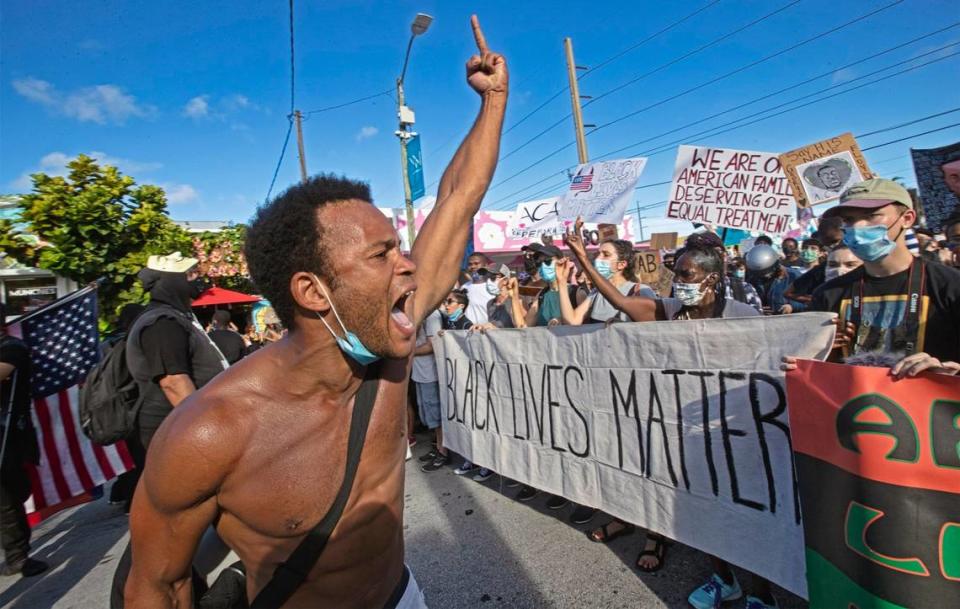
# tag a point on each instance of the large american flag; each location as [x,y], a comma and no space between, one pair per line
[582,183]
[64,346]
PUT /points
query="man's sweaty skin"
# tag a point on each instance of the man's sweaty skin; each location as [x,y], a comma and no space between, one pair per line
[260,451]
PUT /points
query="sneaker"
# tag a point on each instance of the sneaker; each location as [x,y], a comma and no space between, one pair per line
[466,468]
[430,456]
[28,568]
[582,514]
[483,475]
[438,462]
[527,493]
[755,603]
[714,592]
[557,502]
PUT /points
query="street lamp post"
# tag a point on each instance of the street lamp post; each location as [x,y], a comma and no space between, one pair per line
[406,116]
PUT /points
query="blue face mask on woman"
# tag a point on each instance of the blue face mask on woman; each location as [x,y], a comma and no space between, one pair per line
[603,268]
[455,315]
[349,343]
[547,271]
[869,243]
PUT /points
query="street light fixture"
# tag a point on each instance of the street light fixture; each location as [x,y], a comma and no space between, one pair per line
[407,118]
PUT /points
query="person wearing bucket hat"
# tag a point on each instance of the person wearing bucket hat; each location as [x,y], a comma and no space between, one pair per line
[898,310]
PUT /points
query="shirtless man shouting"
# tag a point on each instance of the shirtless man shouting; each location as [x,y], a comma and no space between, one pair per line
[260,451]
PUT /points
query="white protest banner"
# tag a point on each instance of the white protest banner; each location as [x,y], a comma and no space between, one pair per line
[732,188]
[534,219]
[601,192]
[680,427]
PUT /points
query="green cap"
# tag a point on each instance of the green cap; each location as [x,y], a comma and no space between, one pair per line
[871,194]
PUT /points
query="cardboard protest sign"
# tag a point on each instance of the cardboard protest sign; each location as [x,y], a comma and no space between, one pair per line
[878,463]
[533,219]
[663,241]
[731,188]
[601,192]
[820,172]
[938,180]
[608,232]
[669,425]
[651,272]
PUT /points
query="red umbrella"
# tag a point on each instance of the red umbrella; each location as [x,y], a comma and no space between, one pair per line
[222,296]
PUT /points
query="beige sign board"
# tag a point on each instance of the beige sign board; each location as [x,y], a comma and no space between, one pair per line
[820,172]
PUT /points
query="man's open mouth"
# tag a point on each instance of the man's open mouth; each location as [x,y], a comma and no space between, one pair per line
[399,313]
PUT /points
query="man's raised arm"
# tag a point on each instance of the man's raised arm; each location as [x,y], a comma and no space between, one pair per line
[441,243]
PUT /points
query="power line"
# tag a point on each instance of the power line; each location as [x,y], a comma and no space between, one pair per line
[797,99]
[283,151]
[768,95]
[349,103]
[712,81]
[292,64]
[910,137]
[749,65]
[286,138]
[907,124]
[672,62]
[611,59]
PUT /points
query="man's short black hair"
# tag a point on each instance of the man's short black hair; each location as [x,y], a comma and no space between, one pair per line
[926,232]
[763,239]
[784,242]
[285,237]
[811,242]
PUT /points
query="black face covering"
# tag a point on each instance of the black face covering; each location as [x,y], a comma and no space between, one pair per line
[171,288]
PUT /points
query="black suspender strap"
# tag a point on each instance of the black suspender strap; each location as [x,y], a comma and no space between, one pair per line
[910,325]
[292,573]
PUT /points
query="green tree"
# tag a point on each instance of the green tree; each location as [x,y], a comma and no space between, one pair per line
[94,223]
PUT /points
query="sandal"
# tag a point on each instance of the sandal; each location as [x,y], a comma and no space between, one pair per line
[659,551]
[606,536]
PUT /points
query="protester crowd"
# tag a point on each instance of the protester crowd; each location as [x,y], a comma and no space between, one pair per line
[859,249]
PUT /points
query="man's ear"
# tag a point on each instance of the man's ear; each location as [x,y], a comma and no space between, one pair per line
[909,218]
[712,279]
[310,292]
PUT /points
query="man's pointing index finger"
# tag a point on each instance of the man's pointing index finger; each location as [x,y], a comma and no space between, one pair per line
[478,34]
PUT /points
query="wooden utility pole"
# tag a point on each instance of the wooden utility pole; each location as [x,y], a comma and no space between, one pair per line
[298,117]
[575,101]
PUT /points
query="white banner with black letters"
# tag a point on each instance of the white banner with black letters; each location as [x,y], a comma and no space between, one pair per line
[679,427]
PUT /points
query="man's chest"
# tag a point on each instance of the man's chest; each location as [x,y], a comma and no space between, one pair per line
[290,476]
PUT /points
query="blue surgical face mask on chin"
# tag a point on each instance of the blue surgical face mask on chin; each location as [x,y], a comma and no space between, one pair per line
[547,271]
[349,343]
[455,315]
[493,288]
[868,243]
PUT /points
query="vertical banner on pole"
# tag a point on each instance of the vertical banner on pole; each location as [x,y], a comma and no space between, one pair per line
[415,168]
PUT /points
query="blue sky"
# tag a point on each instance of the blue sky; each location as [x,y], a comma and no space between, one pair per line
[194,96]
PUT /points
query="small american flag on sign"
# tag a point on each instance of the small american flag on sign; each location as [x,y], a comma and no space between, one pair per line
[64,346]
[582,183]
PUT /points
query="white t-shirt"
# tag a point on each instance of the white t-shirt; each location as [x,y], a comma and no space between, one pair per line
[425,366]
[479,297]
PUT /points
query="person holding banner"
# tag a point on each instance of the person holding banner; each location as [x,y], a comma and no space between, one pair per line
[737,287]
[614,261]
[297,452]
[698,283]
[900,311]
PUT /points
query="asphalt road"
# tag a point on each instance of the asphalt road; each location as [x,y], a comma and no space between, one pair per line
[469,544]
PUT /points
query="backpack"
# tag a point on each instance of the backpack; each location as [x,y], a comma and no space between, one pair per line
[109,398]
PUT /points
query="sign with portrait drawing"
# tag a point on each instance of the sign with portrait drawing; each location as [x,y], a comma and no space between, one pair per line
[820,172]
[938,178]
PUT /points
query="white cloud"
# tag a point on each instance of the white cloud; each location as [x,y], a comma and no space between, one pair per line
[366,133]
[99,104]
[842,75]
[198,107]
[179,193]
[55,164]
